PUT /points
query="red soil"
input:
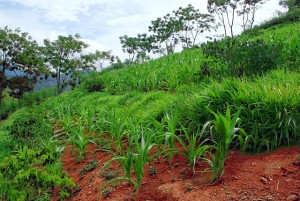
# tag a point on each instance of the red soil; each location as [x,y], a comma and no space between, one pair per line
[270,176]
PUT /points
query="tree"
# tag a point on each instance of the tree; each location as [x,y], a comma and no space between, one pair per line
[290,4]
[18,53]
[226,11]
[219,8]
[164,32]
[191,23]
[137,47]
[65,57]
[101,57]
[249,8]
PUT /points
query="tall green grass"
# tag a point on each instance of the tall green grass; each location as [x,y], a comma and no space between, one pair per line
[270,107]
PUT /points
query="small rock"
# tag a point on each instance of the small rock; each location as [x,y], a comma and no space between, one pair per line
[269,198]
[236,178]
[176,165]
[264,180]
[189,187]
[292,197]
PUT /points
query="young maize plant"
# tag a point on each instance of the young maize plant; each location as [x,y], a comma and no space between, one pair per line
[223,132]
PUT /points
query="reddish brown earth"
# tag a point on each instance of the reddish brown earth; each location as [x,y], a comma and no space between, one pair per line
[269,176]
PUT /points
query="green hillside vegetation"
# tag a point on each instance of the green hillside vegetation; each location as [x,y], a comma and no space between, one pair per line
[241,93]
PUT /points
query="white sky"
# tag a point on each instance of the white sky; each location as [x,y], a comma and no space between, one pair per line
[99,22]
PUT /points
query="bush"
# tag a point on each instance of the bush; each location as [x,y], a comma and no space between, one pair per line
[29,126]
[251,57]
[23,176]
[291,16]
[93,84]
[243,58]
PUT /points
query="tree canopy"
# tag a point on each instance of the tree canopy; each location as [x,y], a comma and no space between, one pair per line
[19,53]
[64,56]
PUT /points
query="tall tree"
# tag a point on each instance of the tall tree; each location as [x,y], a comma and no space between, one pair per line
[19,53]
[219,8]
[248,11]
[101,57]
[137,47]
[191,23]
[228,10]
[65,57]
[165,34]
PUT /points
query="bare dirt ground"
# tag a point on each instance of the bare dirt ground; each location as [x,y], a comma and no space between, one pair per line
[265,177]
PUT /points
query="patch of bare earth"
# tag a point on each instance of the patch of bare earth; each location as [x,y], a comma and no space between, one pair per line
[270,176]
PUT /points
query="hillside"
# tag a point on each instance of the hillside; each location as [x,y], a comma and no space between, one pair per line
[180,123]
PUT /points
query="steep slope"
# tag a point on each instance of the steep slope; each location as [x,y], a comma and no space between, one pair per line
[152,117]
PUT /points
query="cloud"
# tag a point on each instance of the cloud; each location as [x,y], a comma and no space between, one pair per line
[60,10]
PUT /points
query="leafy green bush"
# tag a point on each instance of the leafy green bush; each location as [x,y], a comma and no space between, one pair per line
[252,57]
[6,144]
[9,105]
[25,176]
[30,126]
[289,17]
[93,84]
[36,97]
[244,58]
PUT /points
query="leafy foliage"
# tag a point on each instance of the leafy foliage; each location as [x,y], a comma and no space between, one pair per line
[19,52]
[246,58]
[62,56]
[22,178]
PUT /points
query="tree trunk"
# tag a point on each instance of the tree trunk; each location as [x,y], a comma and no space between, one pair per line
[1,93]
[58,82]
[2,83]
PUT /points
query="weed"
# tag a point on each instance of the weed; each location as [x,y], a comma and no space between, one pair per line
[109,174]
[152,171]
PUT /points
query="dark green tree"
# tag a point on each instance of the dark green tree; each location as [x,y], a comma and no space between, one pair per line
[191,23]
[20,54]
[65,57]
[137,47]
[165,34]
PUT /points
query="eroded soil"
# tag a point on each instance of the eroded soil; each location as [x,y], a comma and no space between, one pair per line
[269,176]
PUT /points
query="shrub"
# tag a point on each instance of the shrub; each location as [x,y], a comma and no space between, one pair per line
[22,176]
[93,84]
[291,16]
[251,57]
[244,58]
[29,126]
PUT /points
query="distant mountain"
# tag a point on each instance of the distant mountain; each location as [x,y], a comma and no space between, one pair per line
[11,74]
[41,84]
[50,82]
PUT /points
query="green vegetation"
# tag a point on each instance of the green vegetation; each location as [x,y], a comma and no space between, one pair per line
[199,103]
[10,104]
